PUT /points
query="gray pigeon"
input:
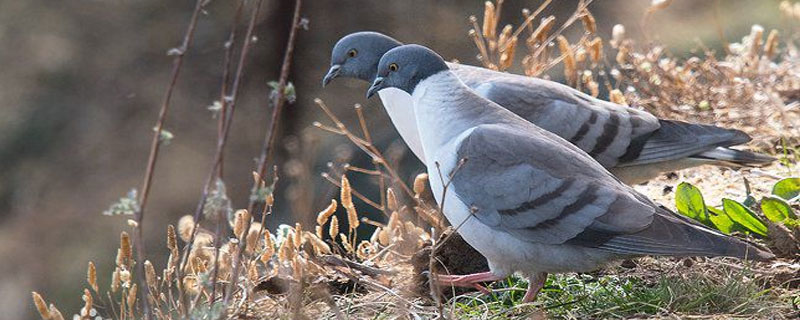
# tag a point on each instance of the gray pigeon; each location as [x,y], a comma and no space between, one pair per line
[635,145]
[526,199]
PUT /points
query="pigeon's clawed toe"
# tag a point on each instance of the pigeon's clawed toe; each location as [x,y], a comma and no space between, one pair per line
[468,281]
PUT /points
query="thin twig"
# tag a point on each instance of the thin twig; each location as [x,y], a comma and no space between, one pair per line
[279,100]
[229,46]
[155,145]
[222,141]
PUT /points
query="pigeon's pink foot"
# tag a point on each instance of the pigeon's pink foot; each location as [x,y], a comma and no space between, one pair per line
[468,281]
[536,283]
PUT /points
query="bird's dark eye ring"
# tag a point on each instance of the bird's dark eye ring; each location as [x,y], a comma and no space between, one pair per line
[352,53]
[393,67]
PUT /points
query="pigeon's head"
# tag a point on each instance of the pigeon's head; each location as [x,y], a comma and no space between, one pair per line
[405,66]
[356,55]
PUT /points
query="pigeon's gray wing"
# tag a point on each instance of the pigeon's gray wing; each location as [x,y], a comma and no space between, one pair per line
[608,132]
[541,190]
[615,135]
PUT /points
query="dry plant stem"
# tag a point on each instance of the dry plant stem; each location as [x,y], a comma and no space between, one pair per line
[222,140]
[155,145]
[582,5]
[229,46]
[362,144]
[226,68]
[432,284]
[279,100]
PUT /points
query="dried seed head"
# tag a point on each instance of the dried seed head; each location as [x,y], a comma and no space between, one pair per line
[617,97]
[298,235]
[91,276]
[384,237]
[507,54]
[419,183]
[172,242]
[120,258]
[540,34]
[318,231]
[569,59]
[269,247]
[252,236]
[346,194]
[41,306]
[772,44]
[333,229]
[505,36]
[588,22]
[252,272]
[150,274]
[622,55]
[352,218]
[297,269]
[125,277]
[594,88]
[191,286]
[756,34]
[186,227]
[617,35]
[391,199]
[286,251]
[326,214]
[596,49]
[55,314]
[202,240]
[786,8]
[132,297]
[346,244]
[375,235]
[242,218]
[125,245]
[394,221]
[489,22]
[115,280]
[319,246]
[87,299]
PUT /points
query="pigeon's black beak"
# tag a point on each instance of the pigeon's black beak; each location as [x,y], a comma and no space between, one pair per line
[332,73]
[376,86]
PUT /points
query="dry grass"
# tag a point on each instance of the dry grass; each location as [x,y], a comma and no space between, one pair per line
[324,270]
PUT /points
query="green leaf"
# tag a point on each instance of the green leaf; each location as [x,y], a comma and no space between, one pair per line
[776,209]
[743,216]
[787,189]
[721,220]
[689,202]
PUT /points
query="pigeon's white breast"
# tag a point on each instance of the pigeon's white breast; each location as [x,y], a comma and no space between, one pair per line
[399,106]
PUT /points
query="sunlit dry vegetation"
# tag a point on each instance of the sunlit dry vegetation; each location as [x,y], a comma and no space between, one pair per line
[224,262]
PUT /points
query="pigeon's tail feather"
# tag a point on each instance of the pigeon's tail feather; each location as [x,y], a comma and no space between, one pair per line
[674,235]
[735,157]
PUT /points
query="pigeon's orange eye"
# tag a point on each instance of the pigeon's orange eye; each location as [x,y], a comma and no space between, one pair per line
[352,53]
[393,67]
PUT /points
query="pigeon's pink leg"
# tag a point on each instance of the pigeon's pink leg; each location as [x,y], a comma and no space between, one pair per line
[468,281]
[536,283]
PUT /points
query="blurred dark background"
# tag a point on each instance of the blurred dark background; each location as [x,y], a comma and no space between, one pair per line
[82,80]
